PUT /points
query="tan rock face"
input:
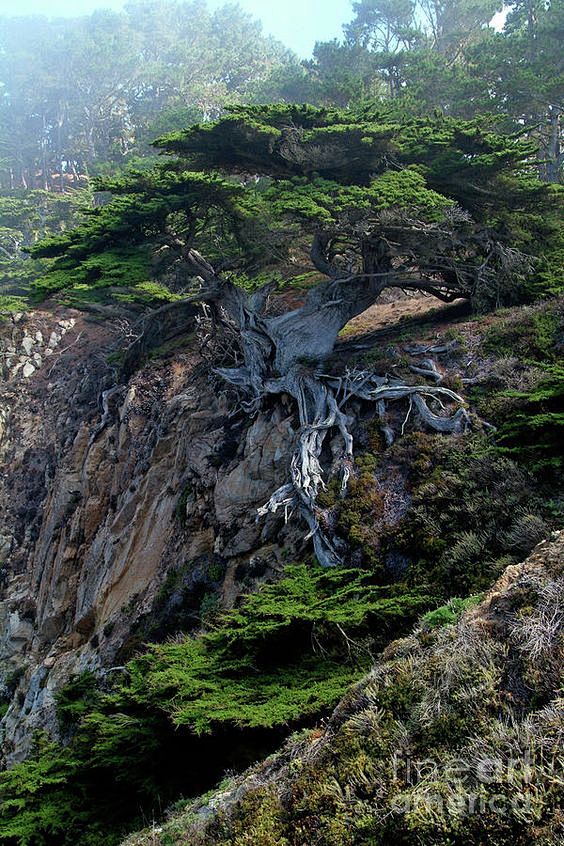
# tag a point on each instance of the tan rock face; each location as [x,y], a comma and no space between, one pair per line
[95,518]
[262,468]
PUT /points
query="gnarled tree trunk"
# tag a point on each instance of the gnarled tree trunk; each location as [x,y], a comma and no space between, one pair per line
[285,355]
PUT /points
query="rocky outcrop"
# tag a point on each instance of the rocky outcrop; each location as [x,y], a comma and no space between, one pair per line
[108,488]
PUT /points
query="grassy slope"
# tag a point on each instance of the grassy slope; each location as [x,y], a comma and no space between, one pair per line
[428,749]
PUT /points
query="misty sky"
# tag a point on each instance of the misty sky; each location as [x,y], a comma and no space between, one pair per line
[297,23]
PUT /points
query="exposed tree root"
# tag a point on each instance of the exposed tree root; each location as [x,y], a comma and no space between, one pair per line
[260,355]
[428,369]
[321,401]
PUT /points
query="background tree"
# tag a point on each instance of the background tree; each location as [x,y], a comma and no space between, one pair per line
[443,55]
[88,95]
[523,70]
[80,92]
[27,217]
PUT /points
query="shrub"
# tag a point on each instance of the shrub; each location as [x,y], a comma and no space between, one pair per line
[288,653]
[530,333]
[450,613]
[76,698]
[467,510]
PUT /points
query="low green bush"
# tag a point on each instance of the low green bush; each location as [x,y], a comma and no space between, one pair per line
[529,334]
[450,613]
[288,653]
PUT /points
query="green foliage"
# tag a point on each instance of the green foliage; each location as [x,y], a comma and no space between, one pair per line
[256,668]
[450,613]
[467,502]
[26,218]
[459,156]
[287,653]
[529,335]
[111,268]
[115,246]
[148,293]
[76,698]
[11,304]
[382,189]
[358,515]
[210,608]
[37,805]
[427,751]
[535,430]
[528,414]
[548,279]
[324,201]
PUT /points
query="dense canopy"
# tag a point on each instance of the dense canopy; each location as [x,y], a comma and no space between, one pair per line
[425,200]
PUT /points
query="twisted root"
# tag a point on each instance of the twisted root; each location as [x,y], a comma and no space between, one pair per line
[320,401]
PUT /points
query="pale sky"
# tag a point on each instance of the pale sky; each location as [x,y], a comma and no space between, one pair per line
[297,23]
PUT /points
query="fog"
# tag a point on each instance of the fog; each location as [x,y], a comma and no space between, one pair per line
[298,23]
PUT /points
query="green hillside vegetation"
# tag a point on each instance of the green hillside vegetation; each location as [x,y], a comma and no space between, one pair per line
[453,738]
[288,653]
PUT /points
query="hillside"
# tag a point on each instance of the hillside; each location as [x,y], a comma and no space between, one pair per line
[430,518]
[454,737]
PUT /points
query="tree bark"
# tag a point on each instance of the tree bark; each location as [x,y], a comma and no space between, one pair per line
[285,355]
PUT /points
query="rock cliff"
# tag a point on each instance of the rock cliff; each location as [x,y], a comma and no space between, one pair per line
[107,490]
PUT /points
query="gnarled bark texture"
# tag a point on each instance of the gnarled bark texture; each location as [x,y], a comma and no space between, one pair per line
[285,354]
